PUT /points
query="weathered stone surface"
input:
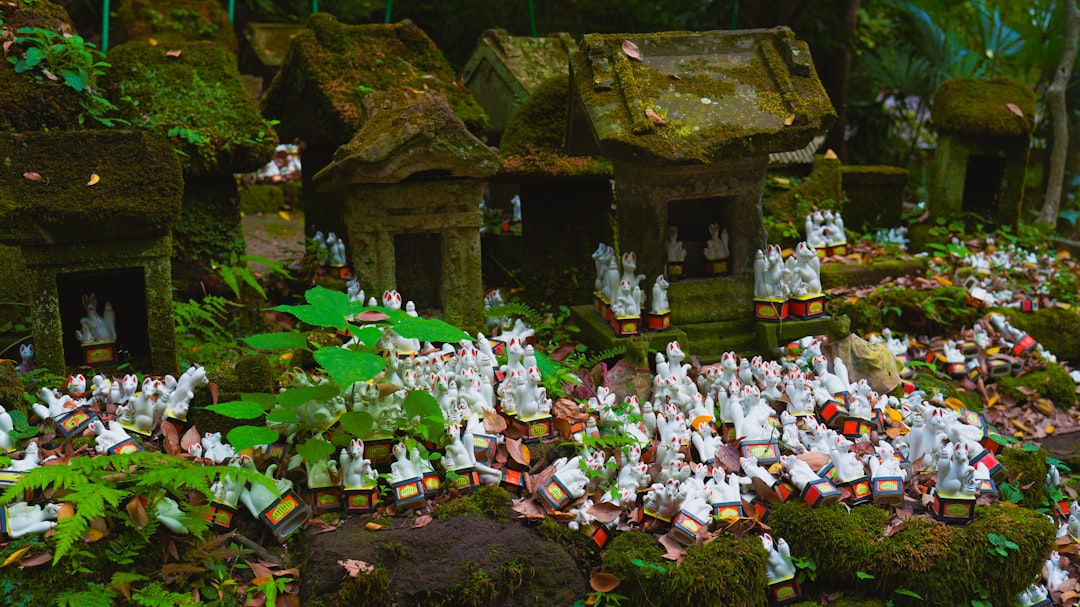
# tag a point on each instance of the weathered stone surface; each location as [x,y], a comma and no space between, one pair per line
[504,70]
[330,67]
[875,195]
[171,22]
[975,106]
[408,134]
[444,560]
[722,94]
[822,188]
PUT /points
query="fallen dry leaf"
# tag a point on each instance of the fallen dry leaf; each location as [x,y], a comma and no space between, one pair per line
[493,422]
[605,512]
[675,550]
[632,51]
[422,521]
[36,559]
[175,52]
[355,567]
[93,179]
[260,570]
[137,512]
[32,176]
[191,436]
[371,316]
[1015,109]
[654,117]
[518,452]
[373,526]
[790,120]
[603,582]
[15,556]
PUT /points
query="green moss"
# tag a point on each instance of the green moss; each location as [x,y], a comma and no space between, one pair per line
[366,590]
[491,501]
[712,109]
[1052,383]
[934,560]
[533,141]
[579,546]
[172,22]
[1057,329]
[195,101]
[330,67]
[727,571]
[874,193]
[138,191]
[261,198]
[821,189]
[979,107]
[1027,469]
[208,233]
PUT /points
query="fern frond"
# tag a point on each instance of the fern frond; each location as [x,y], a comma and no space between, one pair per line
[532,316]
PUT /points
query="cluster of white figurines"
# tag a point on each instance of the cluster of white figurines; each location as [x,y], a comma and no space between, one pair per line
[329,249]
[1003,275]
[96,328]
[825,229]
[619,286]
[717,247]
[777,279]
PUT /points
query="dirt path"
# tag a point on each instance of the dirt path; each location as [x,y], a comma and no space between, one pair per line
[275,236]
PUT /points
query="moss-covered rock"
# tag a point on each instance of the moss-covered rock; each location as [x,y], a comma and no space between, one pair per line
[137,194]
[1027,472]
[945,565]
[1052,383]
[330,67]
[712,107]
[459,561]
[821,189]
[976,106]
[929,312]
[196,101]
[728,570]
[491,501]
[172,22]
[532,145]
[875,195]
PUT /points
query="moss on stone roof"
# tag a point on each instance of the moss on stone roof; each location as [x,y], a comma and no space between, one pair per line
[195,101]
[27,104]
[532,144]
[170,22]
[330,67]
[531,61]
[981,107]
[137,195]
[406,134]
[722,95]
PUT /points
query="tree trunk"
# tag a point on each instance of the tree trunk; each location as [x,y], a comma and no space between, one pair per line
[839,78]
[1059,118]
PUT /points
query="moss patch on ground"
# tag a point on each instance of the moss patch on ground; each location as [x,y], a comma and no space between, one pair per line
[491,501]
[172,22]
[945,565]
[196,101]
[1057,329]
[1027,473]
[727,571]
[1052,383]
[929,312]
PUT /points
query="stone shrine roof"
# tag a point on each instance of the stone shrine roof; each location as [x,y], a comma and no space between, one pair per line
[46,196]
[975,106]
[528,61]
[331,67]
[720,94]
[408,135]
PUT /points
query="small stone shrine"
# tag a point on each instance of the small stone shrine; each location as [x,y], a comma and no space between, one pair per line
[984,133]
[504,70]
[689,120]
[92,212]
[328,70]
[411,178]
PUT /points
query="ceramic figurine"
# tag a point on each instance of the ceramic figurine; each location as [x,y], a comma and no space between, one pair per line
[108,437]
[676,253]
[168,513]
[751,469]
[807,270]
[570,475]
[633,476]
[55,405]
[601,256]
[847,465]
[798,472]
[24,519]
[356,294]
[335,251]
[179,399]
[717,245]
[227,489]
[391,299]
[833,228]
[1055,574]
[778,564]
[515,205]
[815,234]
[956,476]
[26,352]
[96,328]
[321,473]
[6,426]
[322,252]
[665,500]
[138,414]
[626,303]
[403,468]
[1033,595]
[29,460]
[256,497]
[706,443]
[769,274]
[1074,520]
[120,392]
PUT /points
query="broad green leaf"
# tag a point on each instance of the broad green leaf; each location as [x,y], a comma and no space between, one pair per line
[33,56]
[315,449]
[21,428]
[297,396]
[238,409]
[430,329]
[264,399]
[368,335]
[347,367]
[357,423]
[420,403]
[328,299]
[862,575]
[276,341]
[245,437]
[285,416]
[906,592]
[313,315]
[73,80]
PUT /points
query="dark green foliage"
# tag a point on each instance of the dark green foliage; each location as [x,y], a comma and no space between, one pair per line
[1027,473]
[1052,383]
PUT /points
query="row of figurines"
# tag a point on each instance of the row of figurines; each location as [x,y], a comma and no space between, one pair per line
[619,286]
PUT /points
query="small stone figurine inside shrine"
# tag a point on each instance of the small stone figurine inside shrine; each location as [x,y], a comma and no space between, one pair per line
[716,251]
[96,328]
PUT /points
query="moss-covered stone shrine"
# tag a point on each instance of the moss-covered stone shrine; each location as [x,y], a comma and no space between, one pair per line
[327,72]
[689,120]
[984,132]
[411,179]
[504,70]
[92,212]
